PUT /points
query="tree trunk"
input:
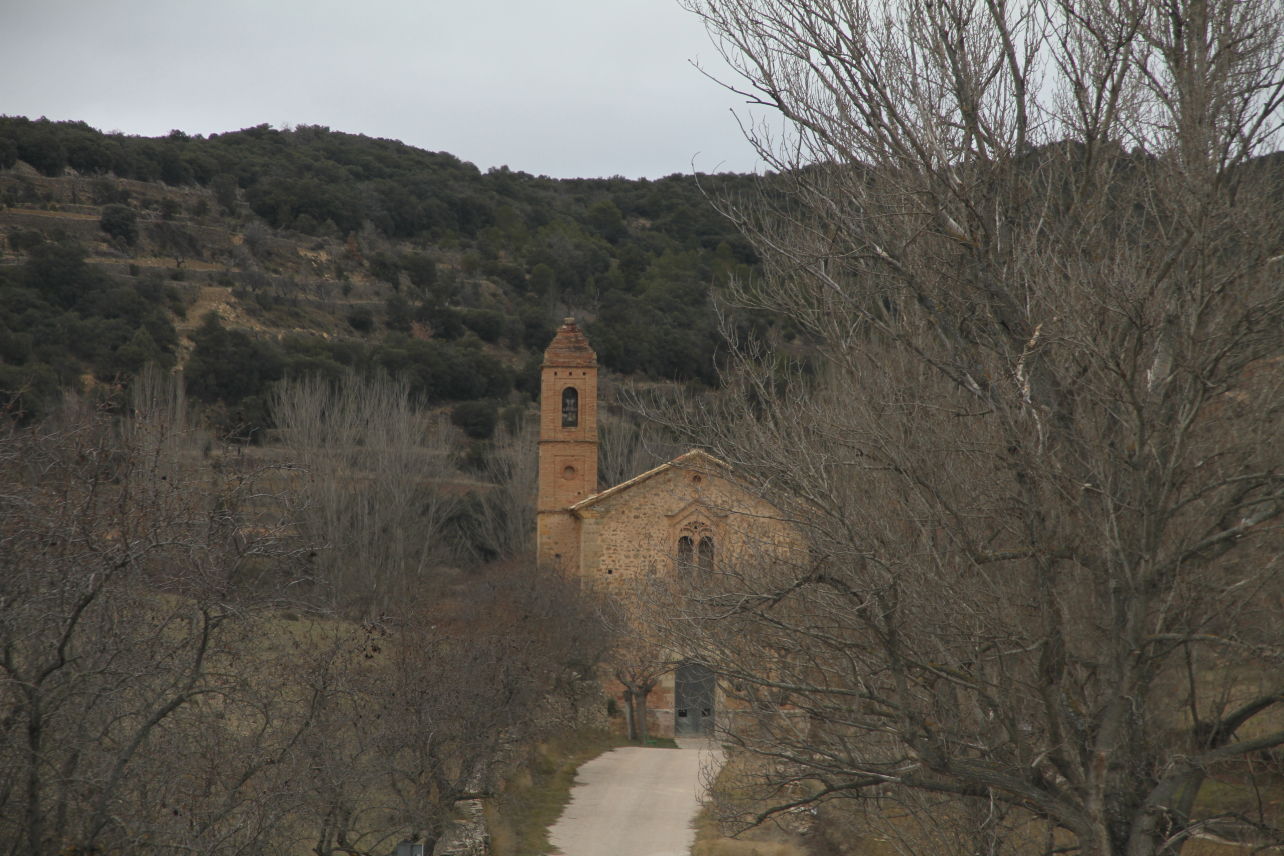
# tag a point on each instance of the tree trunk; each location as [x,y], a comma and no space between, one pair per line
[630,726]
[641,696]
[35,831]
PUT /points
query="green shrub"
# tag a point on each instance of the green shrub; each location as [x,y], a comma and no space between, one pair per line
[476,418]
[361,319]
[399,314]
[486,323]
[120,222]
[384,267]
[23,240]
[421,269]
[228,366]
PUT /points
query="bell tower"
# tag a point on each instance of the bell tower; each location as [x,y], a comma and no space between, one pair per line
[567,444]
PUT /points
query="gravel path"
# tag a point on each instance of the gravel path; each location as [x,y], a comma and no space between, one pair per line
[636,802]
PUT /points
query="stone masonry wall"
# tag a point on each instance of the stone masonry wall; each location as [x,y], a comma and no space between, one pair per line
[635,533]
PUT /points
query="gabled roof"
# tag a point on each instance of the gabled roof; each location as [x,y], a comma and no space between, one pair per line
[692,460]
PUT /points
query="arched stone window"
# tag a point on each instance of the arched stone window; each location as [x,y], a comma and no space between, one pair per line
[686,551]
[570,407]
[705,554]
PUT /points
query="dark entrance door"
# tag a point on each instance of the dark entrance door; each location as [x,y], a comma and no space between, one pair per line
[693,686]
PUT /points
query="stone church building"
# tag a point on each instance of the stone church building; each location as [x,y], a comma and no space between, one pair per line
[684,516]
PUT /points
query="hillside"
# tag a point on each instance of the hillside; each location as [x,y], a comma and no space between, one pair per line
[259,254]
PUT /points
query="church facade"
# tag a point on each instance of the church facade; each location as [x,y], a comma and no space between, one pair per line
[685,516]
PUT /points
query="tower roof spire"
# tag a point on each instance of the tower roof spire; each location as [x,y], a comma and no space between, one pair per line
[569,347]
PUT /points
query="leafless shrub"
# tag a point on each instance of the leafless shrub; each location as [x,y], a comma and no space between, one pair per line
[375,482]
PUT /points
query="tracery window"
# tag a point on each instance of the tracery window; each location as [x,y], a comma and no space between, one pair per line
[696,549]
[570,407]
[705,555]
[686,551]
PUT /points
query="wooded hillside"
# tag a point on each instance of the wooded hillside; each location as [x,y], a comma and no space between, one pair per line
[260,254]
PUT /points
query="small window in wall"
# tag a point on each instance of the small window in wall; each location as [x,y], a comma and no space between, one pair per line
[706,555]
[686,550]
[570,407]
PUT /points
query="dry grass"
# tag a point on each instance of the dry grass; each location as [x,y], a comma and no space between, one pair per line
[762,841]
[58,215]
[934,825]
[534,797]
[755,842]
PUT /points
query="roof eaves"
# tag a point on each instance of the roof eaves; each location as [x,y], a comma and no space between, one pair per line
[687,460]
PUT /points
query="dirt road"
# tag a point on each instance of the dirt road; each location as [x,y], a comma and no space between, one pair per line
[636,802]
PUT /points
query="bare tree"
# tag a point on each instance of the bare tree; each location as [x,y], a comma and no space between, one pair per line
[505,518]
[638,656]
[374,467]
[638,667]
[132,574]
[628,447]
[433,709]
[1034,447]
[161,692]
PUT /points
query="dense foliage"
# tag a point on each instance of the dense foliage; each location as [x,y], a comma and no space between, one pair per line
[635,260]
[60,316]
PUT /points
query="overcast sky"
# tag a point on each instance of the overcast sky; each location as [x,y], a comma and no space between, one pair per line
[565,88]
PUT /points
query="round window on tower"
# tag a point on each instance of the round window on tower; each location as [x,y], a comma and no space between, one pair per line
[568,473]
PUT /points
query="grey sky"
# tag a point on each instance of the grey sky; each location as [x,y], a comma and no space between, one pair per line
[558,87]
